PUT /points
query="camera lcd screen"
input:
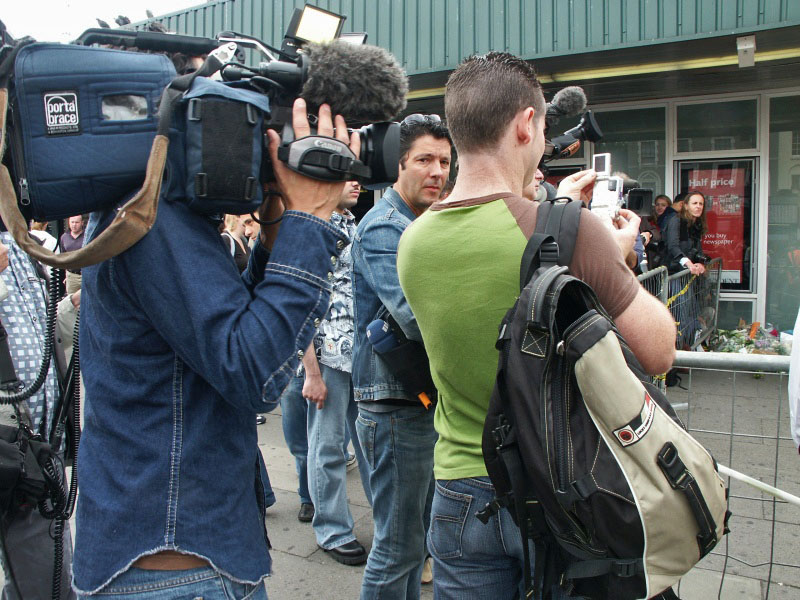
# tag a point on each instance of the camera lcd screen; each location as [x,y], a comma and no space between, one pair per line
[600,163]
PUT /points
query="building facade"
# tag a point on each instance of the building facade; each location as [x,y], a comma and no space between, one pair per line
[690,94]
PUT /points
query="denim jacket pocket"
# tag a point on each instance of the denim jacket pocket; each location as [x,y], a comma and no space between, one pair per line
[448,516]
[365,429]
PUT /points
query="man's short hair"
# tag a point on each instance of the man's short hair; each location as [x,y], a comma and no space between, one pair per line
[415,126]
[484,93]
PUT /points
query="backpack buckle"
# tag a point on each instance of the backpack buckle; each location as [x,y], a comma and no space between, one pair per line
[500,433]
[626,568]
[491,509]
[548,253]
[672,466]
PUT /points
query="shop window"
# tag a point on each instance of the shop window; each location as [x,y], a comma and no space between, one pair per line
[734,126]
[648,153]
[733,314]
[783,234]
[636,139]
[722,143]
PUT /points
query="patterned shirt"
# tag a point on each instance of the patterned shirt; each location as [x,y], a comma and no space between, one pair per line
[24,317]
[334,340]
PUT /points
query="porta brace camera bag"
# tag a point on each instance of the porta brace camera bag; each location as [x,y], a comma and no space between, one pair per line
[589,458]
[82,125]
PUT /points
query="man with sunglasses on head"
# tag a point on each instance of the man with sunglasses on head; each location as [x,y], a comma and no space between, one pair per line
[394,428]
[459,267]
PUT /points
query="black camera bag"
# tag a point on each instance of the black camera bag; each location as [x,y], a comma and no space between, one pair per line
[218,148]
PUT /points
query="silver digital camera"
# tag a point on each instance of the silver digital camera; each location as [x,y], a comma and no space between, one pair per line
[612,192]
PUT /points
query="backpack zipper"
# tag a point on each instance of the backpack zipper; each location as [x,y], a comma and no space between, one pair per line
[24,196]
[18,160]
[559,424]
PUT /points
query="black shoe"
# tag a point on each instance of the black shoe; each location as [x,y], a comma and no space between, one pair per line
[260,419]
[351,553]
[306,512]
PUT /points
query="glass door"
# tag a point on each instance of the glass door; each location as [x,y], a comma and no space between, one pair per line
[729,188]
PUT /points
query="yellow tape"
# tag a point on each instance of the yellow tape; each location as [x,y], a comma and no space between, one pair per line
[682,292]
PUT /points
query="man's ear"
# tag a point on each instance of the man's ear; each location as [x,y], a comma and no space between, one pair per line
[525,126]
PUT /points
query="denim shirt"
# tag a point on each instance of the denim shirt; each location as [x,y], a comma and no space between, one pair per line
[377,287]
[178,355]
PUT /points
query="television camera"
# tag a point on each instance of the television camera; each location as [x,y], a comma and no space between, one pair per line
[210,133]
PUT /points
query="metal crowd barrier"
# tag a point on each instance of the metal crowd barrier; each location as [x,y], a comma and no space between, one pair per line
[655,282]
[694,303]
[736,405]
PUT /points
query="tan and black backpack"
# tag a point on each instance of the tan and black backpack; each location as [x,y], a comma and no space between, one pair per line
[589,457]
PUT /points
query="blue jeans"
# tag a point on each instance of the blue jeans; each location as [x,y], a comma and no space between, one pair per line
[398,448]
[205,582]
[294,411]
[472,559]
[327,460]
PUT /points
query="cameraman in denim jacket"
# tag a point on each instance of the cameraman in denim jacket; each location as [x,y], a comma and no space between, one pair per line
[178,355]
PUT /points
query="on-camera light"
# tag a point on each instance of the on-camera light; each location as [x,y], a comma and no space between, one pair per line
[315,25]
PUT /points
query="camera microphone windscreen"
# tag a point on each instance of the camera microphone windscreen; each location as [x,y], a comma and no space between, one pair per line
[569,102]
[364,84]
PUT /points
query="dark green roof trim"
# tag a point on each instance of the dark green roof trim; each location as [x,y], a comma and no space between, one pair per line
[430,36]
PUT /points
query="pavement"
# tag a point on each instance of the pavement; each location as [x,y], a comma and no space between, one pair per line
[302,570]
[717,399]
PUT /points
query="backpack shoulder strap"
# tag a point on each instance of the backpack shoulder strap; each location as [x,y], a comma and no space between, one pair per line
[225,234]
[553,240]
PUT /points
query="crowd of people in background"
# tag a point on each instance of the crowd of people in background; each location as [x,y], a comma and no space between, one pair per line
[674,232]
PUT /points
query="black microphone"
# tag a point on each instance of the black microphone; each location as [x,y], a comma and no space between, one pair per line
[364,84]
[569,102]
[148,40]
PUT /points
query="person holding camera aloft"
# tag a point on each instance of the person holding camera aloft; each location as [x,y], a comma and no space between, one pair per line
[178,355]
[459,266]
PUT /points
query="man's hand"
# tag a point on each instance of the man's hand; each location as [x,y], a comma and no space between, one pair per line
[303,193]
[646,237]
[3,257]
[314,390]
[578,186]
[627,230]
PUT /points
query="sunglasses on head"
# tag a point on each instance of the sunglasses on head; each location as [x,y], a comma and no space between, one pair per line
[420,118]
